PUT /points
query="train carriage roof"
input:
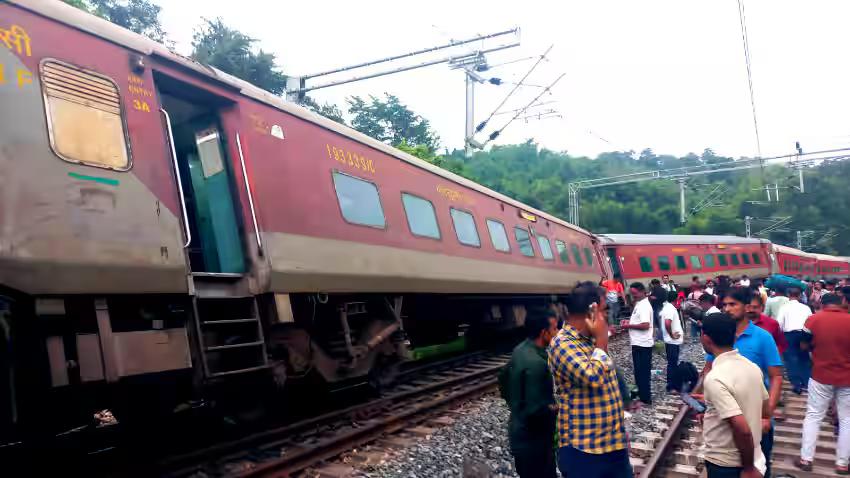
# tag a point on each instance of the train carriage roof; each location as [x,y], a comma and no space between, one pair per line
[81,20]
[648,239]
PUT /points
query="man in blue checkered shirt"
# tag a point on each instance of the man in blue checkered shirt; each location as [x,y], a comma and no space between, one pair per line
[591,427]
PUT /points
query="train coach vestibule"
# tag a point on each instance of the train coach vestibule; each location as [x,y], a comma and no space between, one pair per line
[213,235]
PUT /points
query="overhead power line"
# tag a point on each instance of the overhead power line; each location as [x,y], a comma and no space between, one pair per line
[742,17]
[483,124]
[495,134]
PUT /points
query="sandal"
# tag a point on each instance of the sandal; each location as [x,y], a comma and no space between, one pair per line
[802,464]
[842,470]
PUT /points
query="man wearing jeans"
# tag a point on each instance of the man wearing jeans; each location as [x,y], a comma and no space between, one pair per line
[613,293]
[641,338]
[792,317]
[830,342]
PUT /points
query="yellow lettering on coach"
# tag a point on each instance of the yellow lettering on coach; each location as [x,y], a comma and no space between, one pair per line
[24,78]
[16,39]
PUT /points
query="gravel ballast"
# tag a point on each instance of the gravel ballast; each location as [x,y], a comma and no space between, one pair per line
[478,438]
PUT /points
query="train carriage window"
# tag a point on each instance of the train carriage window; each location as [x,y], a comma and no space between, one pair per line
[663,263]
[421,216]
[756,258]
[588,256]
[645,264]
[523,239]
[745,257]
[681,264]
[359,200]
[576,254]
[498,235]
[85,120]
[563,253]
[734,259]
[465,228]
[785,265]
[695,262]
[721,258]
[709,260]
[545,247]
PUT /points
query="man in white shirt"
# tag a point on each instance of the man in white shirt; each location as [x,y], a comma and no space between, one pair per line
[667,284]
[706,303]
[775,303]
[671,329]
[641,338]
[792,320]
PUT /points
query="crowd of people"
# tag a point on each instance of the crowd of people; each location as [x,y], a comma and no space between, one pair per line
[562,385]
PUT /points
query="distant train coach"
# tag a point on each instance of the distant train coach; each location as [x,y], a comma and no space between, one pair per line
[649,256]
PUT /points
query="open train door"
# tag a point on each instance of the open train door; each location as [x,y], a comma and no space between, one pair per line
[212,222]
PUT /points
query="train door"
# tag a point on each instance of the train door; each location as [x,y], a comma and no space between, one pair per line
[214,228]
[614,261]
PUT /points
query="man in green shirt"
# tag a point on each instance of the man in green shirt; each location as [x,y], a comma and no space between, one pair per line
[526,385]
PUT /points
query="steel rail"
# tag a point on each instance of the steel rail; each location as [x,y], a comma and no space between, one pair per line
[670,439]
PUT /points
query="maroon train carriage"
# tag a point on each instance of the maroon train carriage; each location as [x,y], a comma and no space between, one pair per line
[643,257]
[165,225]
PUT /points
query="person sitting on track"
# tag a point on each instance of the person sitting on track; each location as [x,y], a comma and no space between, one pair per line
[735,397]
[526,386]
[829,337]
[591,425]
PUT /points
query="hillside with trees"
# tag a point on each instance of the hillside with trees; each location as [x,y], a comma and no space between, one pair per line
[538,176]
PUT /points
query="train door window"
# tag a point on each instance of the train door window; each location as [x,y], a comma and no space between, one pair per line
[709,260]
[756,258]
[663,263]
[563,253]
[735,260]
[721,258]
[498,236]
[421,217]
[85,120]
[545,247]
[576,254]
[465,228]
[523,239]
[695,262]
[359,200]
[645,264]
[745,257]
[588,256]
[681,264]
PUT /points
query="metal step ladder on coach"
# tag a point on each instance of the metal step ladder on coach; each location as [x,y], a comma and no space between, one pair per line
[227,326]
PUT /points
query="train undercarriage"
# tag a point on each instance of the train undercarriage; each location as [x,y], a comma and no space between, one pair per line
[146,358]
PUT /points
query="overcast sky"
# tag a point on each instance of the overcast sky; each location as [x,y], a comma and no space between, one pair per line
[668,75]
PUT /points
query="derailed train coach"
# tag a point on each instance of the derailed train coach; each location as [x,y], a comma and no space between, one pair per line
[643,257]
[164,225]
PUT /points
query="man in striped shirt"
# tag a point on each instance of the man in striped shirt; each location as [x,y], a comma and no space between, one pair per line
[591,428]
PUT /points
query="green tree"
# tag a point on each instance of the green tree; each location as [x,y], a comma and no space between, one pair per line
[328,110]
[140,16]
[391,122]
[232,51]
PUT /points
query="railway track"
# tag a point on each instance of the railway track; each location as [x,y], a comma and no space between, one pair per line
[293,448]
[674,449]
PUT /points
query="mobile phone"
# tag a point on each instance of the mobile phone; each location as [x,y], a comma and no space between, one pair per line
[692,402]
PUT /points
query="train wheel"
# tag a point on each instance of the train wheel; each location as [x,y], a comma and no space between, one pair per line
[384,372]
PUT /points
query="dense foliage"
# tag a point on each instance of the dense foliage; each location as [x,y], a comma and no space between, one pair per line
[539,177]
[232,51]
[140,16]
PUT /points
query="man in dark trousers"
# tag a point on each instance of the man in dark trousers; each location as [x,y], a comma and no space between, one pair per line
[526,386]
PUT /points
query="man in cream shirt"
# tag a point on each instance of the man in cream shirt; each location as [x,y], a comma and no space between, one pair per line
[736,402]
